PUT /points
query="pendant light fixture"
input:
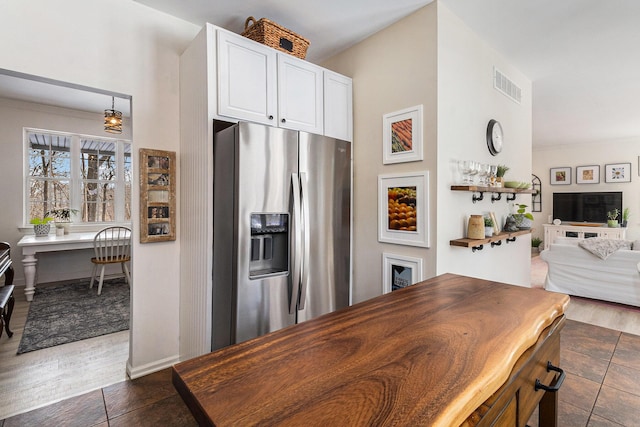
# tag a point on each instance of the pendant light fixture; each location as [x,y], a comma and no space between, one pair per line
[112,119]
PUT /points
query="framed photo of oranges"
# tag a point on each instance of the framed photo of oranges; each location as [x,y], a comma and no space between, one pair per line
[402,136]
[403,209]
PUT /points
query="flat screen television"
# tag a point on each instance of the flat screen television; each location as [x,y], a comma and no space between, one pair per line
[586,207]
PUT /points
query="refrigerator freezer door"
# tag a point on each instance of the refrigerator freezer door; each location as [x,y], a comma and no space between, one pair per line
[325,170]
[264,159]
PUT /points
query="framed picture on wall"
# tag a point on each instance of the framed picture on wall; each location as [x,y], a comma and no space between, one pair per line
[400,271]
[402,136]
[560,176]
[403,209]
[157,195]
[588,174]
[617,172]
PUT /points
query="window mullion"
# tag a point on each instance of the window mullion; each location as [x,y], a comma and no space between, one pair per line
[76,178]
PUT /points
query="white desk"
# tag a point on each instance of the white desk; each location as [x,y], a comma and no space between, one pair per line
[31,245]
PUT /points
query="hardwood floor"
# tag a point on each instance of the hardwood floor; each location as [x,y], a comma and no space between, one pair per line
[600,353]
[39,378]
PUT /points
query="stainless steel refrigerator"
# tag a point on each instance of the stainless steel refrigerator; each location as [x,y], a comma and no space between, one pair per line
[281,229]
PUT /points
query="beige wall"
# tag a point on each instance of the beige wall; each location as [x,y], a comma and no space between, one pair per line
[130,49]
[432,58]
[392,70]
[627,151]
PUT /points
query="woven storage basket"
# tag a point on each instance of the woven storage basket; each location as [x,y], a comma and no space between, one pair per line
[273,35]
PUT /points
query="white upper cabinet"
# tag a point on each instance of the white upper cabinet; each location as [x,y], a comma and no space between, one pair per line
[300,95]
[247,80]
[338,106]
[258,84]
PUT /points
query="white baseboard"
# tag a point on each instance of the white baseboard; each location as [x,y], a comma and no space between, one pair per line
[150,368]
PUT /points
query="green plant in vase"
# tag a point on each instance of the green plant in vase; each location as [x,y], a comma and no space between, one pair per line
[535,243]
[500,171]
[488,227]
[62,217]
[523,219]
[41,226]
[625,216]
[612,218]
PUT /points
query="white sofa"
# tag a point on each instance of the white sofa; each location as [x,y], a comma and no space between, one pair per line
[575,271]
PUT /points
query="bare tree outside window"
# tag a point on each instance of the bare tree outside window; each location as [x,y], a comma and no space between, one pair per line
[90,174]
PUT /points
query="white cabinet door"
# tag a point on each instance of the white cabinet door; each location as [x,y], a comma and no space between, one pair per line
[299,95]
[338,106]
[246,79]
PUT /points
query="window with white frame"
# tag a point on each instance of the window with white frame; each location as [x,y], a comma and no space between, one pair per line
[89,174]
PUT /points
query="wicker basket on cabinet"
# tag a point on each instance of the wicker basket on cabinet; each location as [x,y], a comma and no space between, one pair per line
[276,36]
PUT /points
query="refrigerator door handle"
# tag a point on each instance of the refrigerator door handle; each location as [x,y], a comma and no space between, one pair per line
[296,252]
[306,239]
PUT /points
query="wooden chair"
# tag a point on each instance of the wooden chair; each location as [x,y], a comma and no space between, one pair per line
[112,245]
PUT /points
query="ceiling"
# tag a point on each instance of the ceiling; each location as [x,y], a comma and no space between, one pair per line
[29,88]
[579,54]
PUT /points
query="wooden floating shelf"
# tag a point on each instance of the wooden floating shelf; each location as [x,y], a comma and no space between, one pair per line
[480,189]
[497,192]
[493,240]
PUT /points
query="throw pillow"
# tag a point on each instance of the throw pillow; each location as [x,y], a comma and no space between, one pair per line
[635,245]
[603,248]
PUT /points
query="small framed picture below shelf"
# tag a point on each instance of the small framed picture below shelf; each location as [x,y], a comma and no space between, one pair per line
[560,176]
[402,136]
[617,172]
[588,174]
[400,271]
[157,195]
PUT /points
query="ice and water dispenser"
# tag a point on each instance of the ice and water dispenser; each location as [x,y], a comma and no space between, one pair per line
[269,244]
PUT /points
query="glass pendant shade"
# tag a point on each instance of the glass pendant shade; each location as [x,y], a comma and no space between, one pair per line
[112,119]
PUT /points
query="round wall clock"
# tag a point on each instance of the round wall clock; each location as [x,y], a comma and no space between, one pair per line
[494,137]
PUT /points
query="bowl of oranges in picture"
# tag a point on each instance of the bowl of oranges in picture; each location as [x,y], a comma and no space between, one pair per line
[402,208]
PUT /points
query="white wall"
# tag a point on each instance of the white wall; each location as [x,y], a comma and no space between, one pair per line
[605,152]
[466,103]
[131,49]
[392,70]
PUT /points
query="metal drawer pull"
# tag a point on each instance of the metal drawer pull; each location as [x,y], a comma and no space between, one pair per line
[558,383]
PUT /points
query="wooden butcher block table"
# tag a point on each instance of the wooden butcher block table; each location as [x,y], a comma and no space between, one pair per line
[449,351]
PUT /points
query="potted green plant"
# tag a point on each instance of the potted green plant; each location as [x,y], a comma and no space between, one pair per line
[625,217]
[488,227]
[500,171]
[535,244]
[62,217]
[41,226]
[523,219]
[612,216]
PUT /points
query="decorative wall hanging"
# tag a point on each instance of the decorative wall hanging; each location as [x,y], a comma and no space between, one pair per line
[402,136]
[588,174]
[403,209]
[560,176]
[157,195]
[400,271]
[618,172]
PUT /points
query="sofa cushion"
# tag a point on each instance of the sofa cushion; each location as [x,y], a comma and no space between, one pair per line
[568,240]
[635,246]
[603,248]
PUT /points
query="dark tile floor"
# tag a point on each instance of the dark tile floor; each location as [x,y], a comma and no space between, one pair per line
[602,389]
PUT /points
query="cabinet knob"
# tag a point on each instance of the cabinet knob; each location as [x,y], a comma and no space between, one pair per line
[270,117]
[283,120]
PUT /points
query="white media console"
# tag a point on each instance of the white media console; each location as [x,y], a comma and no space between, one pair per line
[552,231]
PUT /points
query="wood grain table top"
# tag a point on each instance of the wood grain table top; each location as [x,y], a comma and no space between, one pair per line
[428,354]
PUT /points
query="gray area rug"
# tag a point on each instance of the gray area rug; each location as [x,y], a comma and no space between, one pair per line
[65,313]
